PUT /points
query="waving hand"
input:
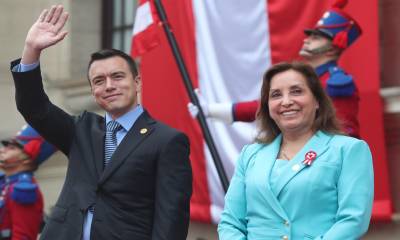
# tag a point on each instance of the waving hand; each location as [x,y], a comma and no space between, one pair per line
[45,32]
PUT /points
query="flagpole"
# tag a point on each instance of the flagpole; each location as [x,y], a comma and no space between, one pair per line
[193,98]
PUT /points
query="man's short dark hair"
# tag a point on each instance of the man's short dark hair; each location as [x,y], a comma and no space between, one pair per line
[108,53]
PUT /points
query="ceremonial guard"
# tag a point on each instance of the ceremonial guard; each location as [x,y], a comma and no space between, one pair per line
[21,201]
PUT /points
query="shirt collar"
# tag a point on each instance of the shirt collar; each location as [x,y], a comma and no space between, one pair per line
[321,69]
[128,119]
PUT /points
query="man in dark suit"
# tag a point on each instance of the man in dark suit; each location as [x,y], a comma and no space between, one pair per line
[129,176]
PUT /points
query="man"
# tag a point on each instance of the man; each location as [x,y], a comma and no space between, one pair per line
[140,191]
[322,48]
[21,201]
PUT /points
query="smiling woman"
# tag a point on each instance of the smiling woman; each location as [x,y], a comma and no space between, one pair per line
[292,91]
[300,154]
[291,104]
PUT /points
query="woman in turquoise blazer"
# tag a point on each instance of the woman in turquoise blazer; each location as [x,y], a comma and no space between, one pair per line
[303,179]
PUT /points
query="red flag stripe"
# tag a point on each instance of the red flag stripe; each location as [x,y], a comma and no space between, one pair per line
[145,30]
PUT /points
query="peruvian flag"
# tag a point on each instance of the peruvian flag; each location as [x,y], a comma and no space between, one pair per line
[227,45]
[145,36]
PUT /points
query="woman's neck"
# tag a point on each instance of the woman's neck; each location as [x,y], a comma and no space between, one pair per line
[293,143]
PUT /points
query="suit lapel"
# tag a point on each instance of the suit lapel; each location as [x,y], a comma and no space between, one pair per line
[264,162]
[98,134]
[142,128]
[318,144]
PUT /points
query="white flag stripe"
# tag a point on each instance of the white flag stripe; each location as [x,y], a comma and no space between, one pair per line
[233,51]
[214,187]
[143,18]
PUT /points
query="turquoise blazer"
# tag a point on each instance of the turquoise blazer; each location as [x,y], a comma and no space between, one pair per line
[330,199]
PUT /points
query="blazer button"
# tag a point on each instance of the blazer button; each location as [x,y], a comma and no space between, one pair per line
[286,222]
[285,237]
[296,168]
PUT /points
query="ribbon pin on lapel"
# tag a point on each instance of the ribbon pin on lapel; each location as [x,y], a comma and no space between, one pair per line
[309,158]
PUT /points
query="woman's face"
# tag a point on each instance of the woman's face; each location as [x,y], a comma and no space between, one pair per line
[291,103]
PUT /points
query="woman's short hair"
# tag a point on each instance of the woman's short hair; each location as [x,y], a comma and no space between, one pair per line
[325,118]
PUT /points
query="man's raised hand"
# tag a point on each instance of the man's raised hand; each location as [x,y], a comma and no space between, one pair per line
[45,32]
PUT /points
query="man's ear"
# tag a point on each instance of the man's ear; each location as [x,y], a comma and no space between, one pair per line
[138,80]
[25,159]
[91,91]
[95,99]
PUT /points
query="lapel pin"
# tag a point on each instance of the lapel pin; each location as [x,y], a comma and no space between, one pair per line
[143,130]
[309,158]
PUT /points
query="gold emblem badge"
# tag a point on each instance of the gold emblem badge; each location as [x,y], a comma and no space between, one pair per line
[143,130]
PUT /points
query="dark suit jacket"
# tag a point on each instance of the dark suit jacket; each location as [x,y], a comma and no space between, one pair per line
[143,193]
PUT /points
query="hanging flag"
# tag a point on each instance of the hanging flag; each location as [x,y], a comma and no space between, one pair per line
[227,47]
[145,30]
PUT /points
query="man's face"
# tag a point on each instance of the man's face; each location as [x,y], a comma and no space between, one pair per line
[313,42]
[113,85]
[11,156]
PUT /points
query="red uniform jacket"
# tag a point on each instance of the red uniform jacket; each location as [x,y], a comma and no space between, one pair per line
[21,211]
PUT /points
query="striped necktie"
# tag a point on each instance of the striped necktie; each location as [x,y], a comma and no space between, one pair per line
[111,140]
[110,145]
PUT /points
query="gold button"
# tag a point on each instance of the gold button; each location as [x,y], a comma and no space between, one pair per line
[143,130]
[286,223]
[285,237]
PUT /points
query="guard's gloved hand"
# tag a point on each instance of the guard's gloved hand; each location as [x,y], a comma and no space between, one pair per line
[193,109]
[218,111]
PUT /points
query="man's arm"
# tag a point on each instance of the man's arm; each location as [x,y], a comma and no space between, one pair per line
[173,191]
[226,112]
[45,32]
[55,125]
[245,111]
[50,121]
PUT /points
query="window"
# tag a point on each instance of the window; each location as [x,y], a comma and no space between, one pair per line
[118,17]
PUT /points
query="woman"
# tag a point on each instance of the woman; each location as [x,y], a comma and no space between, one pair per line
[303,179]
